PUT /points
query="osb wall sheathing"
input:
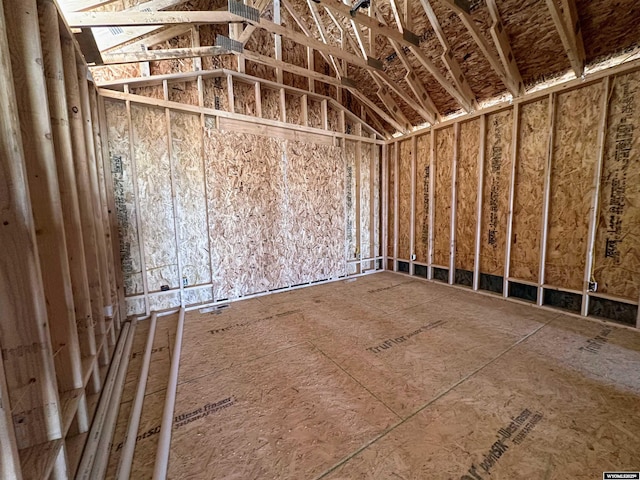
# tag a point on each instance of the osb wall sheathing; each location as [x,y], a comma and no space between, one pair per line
[391,209]
[442,195]
[176,65]
[351,241]
[423,164]
[294,110]
[495,192]
[154,196]
[617,250]
[193,237]
[404,199]
[376,155]
[244,96]
[533,148]
[152,91]
[122,173]
[264,225]
[184,92]
[467,194]
[270,104]
[215,93]
[572,171]
[366,161]
[314,113]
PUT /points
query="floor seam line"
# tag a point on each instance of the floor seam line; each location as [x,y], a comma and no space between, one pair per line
[355,379]
[429,403]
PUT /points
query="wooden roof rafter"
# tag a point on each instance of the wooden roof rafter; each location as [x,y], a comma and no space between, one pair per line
[406,39]
[447,55]
[416,86]
[380,79]
[568,26]
[505,75]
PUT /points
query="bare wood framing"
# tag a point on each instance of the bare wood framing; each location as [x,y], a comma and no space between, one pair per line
[385,204]
[485,48]
[395,35]
[156,55]
[568,26]
[131,18]
[38,399]
[447,56]
[478,244]
[358,206]
[595,201]
[501,41]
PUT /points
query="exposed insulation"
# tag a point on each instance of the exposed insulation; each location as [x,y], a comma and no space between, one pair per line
[122,173]
[270,103]
[352,244]
[442,198]
[572,171]
[314,214]
[617,249]
[423,163]
[533,148]
[193,239]
[404,199]
[467,194]
[154,196]
[495,192]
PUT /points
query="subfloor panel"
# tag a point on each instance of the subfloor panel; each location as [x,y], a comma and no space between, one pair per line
[389,377]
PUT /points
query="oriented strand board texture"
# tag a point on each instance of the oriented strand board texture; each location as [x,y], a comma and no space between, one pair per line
[423,163]
[275,213]
[215,93]
[617,248]
[119,154]
[533,148]
[151,154]
[244,186]
[495,192]
[244,96]
[404,199]
[391,209]
[572,170]
[352,243]
[193,238]
[376,155]
[467,194]
[366,199]
[314,212]
[442,195]
[270,104]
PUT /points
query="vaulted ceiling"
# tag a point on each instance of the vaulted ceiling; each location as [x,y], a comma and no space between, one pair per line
[404,62]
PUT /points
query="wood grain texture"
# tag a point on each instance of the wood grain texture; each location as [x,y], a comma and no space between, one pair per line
[467,194]
[533,149]
[574,157]
[442,196]
[423,160]
[495,192]
[617,250]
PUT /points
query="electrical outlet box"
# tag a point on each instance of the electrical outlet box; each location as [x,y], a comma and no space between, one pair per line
[593,286]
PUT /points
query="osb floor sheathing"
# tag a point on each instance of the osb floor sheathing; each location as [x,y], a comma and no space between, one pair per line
[389,377]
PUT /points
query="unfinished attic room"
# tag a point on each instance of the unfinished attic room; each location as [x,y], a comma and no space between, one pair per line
[319,239]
